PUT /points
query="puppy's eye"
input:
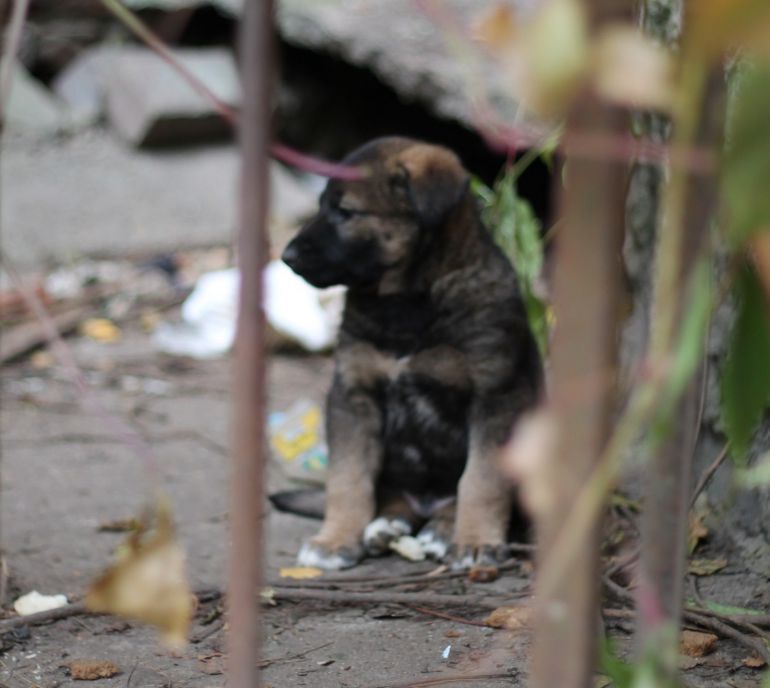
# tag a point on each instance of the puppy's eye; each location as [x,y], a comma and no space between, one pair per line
[341,214]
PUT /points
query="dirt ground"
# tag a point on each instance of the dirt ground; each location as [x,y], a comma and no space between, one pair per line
[65,473]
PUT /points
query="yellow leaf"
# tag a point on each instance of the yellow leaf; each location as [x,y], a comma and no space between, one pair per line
[148,581]
[510,618]
[632,70]
[300,572]
[101,330]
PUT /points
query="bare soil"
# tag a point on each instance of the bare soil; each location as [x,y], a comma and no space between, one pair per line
[65,473]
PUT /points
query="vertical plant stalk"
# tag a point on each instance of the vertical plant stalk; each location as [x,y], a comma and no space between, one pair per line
[584,355]
[688,202]
[247,495]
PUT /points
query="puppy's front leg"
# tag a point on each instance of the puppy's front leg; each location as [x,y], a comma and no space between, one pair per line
[484,496]
[355,457]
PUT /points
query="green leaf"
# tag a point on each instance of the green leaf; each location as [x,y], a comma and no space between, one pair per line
[746,372]
[747,164]
[622,673]
[728,610]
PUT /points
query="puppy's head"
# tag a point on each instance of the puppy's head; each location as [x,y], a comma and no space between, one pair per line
[377,224]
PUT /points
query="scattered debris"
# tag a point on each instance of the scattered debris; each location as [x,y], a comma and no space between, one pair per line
[212,664]
[209,314]
[511,618]
[325,662]
[91,670]
[20,338]
[697,644]
[300,572]
[33,602]
[445,653]
[296,439]
[148,581]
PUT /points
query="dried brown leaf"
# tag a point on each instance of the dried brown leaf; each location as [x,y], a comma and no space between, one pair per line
[300,572]
[753,662]
[212,664]
[706,567]
[91,670]
[511,618]
[697,644]
[483,574]
[148,582]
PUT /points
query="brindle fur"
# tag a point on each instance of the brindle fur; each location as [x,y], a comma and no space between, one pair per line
[435,358]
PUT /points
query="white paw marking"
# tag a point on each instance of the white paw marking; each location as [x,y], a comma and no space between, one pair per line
[310,556]
[384,529]
[433,546]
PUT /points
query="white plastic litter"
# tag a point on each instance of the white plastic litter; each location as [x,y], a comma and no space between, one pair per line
[447,650]
[294,309]
[299,311]
[34,602]
[408,547]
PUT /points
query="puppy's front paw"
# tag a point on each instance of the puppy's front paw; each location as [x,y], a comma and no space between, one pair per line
[381,532]
[323,556]
[433,542]
[467,557]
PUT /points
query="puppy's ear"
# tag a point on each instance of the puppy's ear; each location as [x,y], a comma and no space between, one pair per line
[434,179]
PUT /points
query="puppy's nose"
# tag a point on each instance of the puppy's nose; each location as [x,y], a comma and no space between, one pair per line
[290,254]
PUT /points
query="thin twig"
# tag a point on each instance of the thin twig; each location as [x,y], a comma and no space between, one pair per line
[377,597]
[264,663]
[714,624]
[455,678]
[41,618]
[449,617]
[707,475]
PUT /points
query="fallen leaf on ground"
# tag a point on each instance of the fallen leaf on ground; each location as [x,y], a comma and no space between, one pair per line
[697,644]
[452,634]
[300,572]
[706,567]
[120,525]
[483,574]
[510,618]
[91,670]
[754,662]
[697,530]
[100,330]
[213,664]
[148,581]
[687,663]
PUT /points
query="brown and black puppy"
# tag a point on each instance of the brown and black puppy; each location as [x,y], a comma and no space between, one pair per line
[434,363]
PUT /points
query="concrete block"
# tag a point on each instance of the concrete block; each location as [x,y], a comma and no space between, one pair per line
[149,104]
